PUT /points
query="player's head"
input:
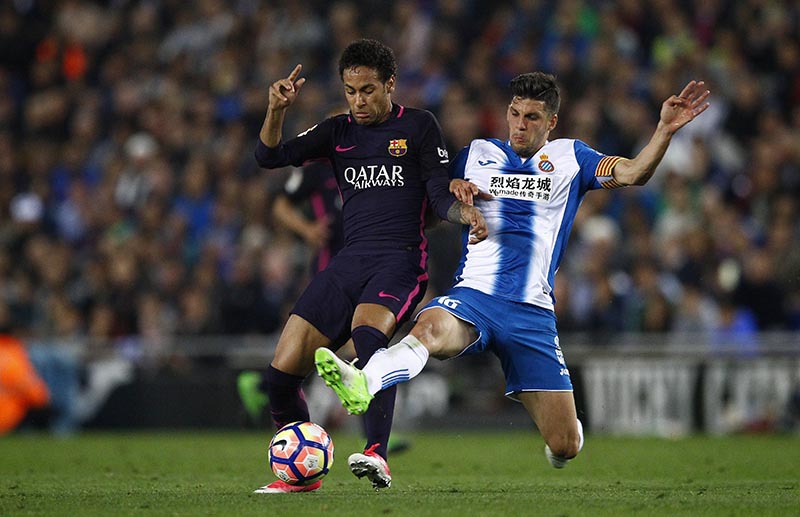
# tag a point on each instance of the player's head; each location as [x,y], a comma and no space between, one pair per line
[369,53]
[367,69]
[533,111]
[538,86]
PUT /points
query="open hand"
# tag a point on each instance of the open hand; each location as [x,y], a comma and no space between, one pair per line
[478,230]
[465,191]
[679,110]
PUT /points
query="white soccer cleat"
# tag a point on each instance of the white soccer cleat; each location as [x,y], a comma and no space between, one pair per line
[372,465]
[556,461]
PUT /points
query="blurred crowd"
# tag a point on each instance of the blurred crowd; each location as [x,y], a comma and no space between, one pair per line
[131,204]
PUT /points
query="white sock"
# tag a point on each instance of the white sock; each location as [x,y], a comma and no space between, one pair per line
[398,363]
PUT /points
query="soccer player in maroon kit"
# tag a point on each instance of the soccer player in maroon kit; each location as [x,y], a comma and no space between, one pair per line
[321,229]
[390,163]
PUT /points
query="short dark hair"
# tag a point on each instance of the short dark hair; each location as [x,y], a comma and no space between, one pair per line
[538,86]
[369,53]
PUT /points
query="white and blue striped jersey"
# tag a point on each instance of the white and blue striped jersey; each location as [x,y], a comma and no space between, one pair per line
[530,216]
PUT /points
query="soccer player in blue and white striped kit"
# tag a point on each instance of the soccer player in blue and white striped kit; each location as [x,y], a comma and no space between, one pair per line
[529,189]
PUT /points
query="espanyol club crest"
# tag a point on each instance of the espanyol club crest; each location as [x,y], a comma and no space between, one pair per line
[545,165]
[398,147]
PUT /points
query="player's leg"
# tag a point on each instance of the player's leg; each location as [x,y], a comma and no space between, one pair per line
[442,334]
[283,380]
[253,387]
[445,327]
[396,284]
[293,361]
[436,332]
[399,363]
[555,416]
[321,315]
[372,326]
[536,373]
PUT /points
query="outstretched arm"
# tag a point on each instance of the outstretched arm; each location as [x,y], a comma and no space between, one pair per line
[282,94]
[676,112]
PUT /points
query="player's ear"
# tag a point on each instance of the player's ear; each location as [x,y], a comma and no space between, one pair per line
[553,122]
[390,84]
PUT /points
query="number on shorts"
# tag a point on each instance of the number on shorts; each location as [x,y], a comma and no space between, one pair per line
[449,302]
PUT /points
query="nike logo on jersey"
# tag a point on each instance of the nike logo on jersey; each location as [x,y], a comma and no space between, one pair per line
[387,295]
[340,149]
[484,163]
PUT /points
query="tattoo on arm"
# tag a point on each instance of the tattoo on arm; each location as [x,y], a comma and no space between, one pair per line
[455,213]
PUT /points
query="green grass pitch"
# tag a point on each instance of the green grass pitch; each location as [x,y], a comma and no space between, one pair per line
[446,473]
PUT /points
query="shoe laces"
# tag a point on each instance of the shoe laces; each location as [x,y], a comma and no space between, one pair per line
[370,451]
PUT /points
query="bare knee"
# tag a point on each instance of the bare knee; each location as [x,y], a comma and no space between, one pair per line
[442,334]
[299,340]
[554,414]
[565,445]
[427,331]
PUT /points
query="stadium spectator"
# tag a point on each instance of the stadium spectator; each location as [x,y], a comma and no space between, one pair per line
[21,387]
[502,298]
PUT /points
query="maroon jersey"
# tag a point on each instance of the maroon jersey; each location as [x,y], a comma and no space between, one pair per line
[387,173]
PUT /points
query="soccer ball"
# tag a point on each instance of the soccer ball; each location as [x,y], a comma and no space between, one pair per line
[301,453]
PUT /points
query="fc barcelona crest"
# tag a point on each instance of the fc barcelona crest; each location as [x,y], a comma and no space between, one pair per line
[398,147]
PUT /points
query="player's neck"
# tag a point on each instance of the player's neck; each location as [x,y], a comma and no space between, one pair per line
[383,118]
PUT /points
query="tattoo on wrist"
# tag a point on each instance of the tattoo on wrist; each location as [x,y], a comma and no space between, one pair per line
[455,215]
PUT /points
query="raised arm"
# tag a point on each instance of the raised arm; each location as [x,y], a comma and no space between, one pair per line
[676,112]
[282,94]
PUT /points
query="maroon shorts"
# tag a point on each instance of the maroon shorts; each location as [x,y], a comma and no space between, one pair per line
[394,278]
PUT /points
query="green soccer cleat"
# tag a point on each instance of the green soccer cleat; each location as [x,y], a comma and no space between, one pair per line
[253,399]
[348,382]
